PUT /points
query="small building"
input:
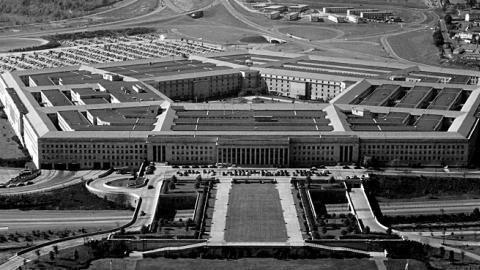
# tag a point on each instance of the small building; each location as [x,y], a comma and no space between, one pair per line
[279,8]
[376,15]
[354,19]
[357,11]
[298,8]
[472,16]
[336,18]
[184,215]
[316,17]
[260,6]
[274,15]
[292,16]
[336,9]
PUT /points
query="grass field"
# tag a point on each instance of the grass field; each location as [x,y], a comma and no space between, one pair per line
[9,147]
[255,214]
[416,46]
[321,3]
[138,8]
[371,48]
[310,32]
[398,264]
[242,264]
[7,44]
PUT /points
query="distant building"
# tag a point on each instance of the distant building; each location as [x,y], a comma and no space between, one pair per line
[298,8]
[337,18]
[357,11]
[354,19]
[272,8]
[376,15]
[273,15]
[336,9]
[316,17]
[260,6]
[472,16]
[292,16]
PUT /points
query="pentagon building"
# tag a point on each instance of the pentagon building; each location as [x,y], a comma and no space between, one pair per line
[347,111]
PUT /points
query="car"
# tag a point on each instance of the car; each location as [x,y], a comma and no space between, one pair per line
[3,186]
[175,166]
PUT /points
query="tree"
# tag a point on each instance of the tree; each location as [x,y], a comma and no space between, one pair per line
[366,230]
[451,256]
[331,180]
[51,255]
[389,231]
[448,19]
[171,185]
[55,249]
[438,38]
[442,252]
[75,255]
[144,229]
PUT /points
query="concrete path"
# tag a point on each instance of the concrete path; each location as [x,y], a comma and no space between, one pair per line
[380,264]
[289,213]
[363,210]
[219,219]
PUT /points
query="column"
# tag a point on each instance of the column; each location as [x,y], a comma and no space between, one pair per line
[154,153]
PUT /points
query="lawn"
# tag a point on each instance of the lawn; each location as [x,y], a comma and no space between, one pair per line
[310,32]
[243,264]
[321,3]
[7,44]
[75,197]
[140,7]
[10,148]
[399,264]
[416,46]
[255,214]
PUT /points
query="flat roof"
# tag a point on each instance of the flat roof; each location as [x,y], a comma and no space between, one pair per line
[251,120]
[445,99]
[56,97]
[167,68]
[65,78]
[414,96]
[17,100]
[380,94]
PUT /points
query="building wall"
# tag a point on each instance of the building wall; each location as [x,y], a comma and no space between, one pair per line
[201,87]
[408,153]
[87,154]
[318,89]
[296,152]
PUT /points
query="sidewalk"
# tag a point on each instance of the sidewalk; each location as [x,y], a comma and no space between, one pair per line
[290,214]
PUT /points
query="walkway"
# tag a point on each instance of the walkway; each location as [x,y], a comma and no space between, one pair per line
[219,219]
[290,213]
[364,211]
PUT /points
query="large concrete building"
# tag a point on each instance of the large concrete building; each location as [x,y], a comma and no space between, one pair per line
[119,114]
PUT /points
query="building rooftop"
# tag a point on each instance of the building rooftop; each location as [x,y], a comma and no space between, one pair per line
[56,97]
[166,68]
[251,120]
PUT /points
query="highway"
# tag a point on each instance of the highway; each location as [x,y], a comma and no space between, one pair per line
[16,220]
[50,179]
[399,208]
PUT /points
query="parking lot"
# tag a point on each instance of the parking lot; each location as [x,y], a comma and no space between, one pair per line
[104,50]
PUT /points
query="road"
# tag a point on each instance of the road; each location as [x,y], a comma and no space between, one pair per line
[399,208]
[143,20]
[16,220]
[50,180]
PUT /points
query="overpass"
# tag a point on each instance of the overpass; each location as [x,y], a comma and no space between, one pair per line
[274,40]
